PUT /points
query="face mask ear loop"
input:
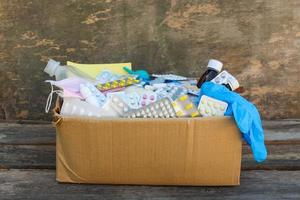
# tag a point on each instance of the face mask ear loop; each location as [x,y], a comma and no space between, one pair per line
[50,96]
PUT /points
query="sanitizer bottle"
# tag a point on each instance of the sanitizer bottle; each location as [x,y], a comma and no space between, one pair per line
[60,72]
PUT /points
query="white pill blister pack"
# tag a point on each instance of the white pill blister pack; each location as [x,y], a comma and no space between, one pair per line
[159,109]
[209,107]
[226,78]
[170,77]
[175,91]
[117,103]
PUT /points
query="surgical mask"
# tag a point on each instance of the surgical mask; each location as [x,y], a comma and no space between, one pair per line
[69,87]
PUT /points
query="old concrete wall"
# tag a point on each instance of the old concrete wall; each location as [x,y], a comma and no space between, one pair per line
[258,40]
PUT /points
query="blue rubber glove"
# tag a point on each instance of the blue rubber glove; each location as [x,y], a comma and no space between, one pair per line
[245,114]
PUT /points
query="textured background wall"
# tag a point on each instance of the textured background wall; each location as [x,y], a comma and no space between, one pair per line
[258,41]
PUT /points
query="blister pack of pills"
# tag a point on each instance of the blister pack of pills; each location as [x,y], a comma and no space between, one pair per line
[106,76]
[118,105]
[147,98]
[132,99]
[159,109]
[184,107]
[76,107]
[170,77]
[117,84]
[92,95]
[175,92]
[226,78]
[209,107]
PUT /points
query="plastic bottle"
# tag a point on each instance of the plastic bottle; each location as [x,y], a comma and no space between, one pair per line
[60,72]
[213,69]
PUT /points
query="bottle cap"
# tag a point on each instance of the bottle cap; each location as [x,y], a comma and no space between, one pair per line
[51,67]
[215,64]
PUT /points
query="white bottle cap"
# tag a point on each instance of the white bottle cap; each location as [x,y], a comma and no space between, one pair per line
[51,67]
[215,64]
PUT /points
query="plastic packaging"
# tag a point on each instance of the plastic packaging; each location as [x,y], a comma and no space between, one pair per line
[92,95]
[53,68]
[117,84]
[213,69]
[184,107]
[170,77]
[76,107]
[159,109]
[210,107]
[226,79]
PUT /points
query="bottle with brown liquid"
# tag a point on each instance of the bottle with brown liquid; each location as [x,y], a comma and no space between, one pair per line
[213,69]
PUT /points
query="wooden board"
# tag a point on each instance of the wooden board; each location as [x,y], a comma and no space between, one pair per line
[16,133]
[281,157]
[41,184]
[12,133]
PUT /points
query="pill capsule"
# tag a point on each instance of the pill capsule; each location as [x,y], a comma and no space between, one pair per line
[183,98]
[213,113]
[115,99]
[207,111]
[179,113]
[188,106]
[215,105]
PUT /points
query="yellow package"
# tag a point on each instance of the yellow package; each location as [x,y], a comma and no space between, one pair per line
[94,69]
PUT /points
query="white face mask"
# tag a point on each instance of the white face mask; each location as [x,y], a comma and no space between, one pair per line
[69,87]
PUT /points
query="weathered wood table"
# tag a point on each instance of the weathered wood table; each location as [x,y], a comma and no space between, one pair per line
[27,169]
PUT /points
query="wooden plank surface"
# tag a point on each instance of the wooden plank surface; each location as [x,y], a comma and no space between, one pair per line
[16,133]
[12,133]
[281,157]
[41,184]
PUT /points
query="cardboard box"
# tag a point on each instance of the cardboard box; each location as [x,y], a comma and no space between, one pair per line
[181,151]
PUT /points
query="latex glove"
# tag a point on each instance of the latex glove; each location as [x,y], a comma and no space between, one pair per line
[245,114]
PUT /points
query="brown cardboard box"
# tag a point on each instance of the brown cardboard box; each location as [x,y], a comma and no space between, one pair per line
[189,151]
